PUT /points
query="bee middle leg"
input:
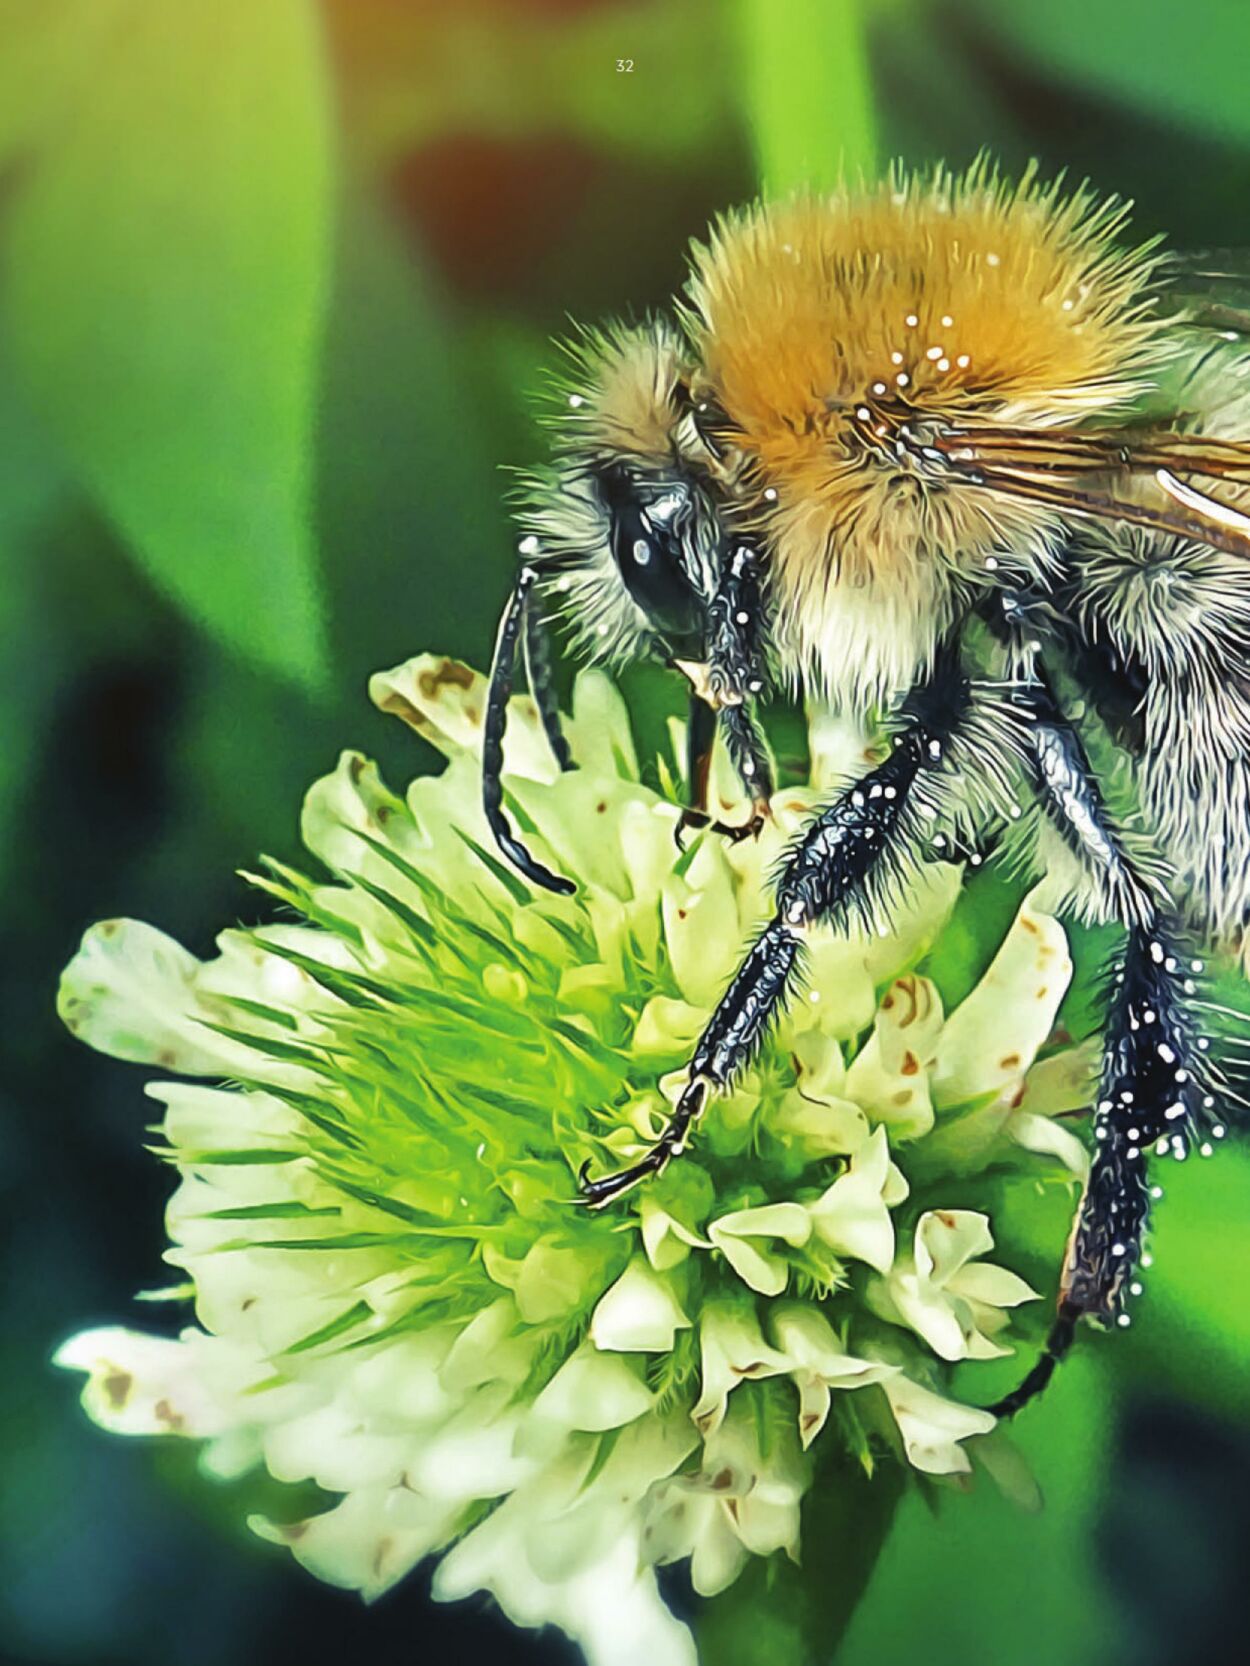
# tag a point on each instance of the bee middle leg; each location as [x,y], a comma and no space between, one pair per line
[828,876]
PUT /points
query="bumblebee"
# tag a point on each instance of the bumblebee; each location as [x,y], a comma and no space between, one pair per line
[949,451]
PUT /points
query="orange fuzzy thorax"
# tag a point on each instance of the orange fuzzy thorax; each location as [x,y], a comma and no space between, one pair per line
[935,302]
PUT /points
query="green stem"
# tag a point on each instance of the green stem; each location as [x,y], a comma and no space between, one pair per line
[777,1614]
[807,91]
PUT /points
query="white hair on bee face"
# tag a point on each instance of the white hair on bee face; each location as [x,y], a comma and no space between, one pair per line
[579,580]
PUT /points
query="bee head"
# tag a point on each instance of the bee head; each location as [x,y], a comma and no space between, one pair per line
[622,528]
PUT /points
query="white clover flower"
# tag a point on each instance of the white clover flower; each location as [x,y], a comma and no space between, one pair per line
[395,1297]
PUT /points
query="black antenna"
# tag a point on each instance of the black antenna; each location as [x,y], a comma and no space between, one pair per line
[497,696]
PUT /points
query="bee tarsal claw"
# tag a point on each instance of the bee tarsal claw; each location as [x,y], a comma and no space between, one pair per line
[737,831]
[690,821]
[597,1194]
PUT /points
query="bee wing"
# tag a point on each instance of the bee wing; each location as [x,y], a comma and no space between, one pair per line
[1143,478]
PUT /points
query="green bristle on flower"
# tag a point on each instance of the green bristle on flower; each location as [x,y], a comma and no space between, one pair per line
[396,1296]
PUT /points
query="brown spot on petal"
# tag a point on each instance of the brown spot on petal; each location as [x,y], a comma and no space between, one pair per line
[731,1504]
[1017,1098]
[600,807]
[167,1058]
[887,1003]
[166,1414]
[901,1098]
[1011,1062]
[722,1480]
[117,1386]
[293,1530]
[447,673]
[1042,992]
[756,1367]
[356,767]
[109,928]
[946,1218]
[911,1064]
[1030,925]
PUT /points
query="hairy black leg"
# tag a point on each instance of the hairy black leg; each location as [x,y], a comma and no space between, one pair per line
[1151,1091]
[538,674]
[498,692]
[827,877]
[735,630]
[1152,1096]
[746,748]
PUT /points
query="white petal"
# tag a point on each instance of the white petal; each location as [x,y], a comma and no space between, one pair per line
[932,1427]
[946,1238]
[130,992]
[1049,1139]
[995,1286]
[154,1385]
[445,702]
[666,1240]
[593,1391]
[851,1217]
[369,1540]
[890,1074]
[599,732]
[733,1349]
[760,1268]
[639,1314]
[992,1037]
[612,1610]
[701,924]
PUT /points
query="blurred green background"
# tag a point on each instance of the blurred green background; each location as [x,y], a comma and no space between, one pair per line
[275,280]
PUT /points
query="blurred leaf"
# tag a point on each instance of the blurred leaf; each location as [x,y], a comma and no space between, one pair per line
[166,287]
[417,547]
[34,653]
[989,1581]
[414,73]
[1177,62]
[49,50]
[1192,1326]
[807,92]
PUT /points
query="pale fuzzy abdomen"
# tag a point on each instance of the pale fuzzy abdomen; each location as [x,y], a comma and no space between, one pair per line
[1195,791]
[1181,613]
